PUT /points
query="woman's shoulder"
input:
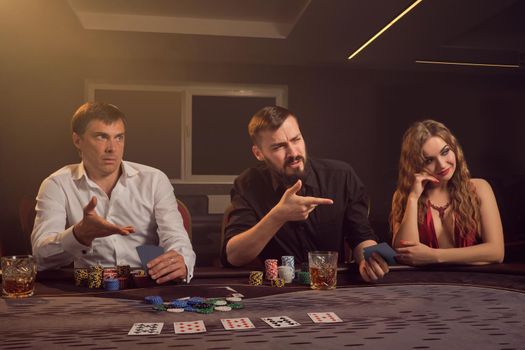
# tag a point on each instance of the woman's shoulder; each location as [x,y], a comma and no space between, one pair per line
[482,186]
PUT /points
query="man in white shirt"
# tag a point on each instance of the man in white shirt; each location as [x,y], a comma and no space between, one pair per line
[100,210]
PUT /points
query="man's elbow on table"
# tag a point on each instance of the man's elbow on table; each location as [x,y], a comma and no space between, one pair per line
[234,256]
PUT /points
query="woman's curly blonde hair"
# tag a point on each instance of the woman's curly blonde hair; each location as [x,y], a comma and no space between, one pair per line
[463,199]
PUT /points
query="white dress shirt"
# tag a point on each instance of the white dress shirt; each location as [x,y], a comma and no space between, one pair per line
[143,198]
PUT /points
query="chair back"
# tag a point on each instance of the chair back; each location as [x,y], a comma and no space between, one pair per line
[225,219]
[26,214]
[186,216]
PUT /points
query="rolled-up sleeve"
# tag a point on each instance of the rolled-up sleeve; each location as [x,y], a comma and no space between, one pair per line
[356,225]
[240,217]
[53,244]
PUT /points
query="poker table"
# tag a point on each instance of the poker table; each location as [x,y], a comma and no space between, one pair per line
[453,307]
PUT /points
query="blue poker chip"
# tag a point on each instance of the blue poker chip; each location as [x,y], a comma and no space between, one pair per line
[111,284]
[195,300]
[153,299]
[179,304]
[190,309]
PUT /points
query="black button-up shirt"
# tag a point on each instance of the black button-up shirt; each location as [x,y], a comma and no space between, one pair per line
[254,194]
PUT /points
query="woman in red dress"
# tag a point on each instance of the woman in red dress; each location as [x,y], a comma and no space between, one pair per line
[439,213]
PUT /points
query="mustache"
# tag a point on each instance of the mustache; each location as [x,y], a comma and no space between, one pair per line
[290,160]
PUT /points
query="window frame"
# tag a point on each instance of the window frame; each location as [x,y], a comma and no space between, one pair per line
[188,90]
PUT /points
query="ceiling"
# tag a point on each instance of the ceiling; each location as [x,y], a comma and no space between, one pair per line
[282,32]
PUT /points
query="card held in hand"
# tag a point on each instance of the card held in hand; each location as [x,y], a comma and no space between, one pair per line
[382,249]
[147,253]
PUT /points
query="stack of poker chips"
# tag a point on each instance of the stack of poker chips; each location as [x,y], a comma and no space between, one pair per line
[109,272]
[303,277]
[95,276]
[288,260]
[201,305]
[271,269]
[154,300]
[278,282]
[286,273]
[140,279]
[81,277]
[123,275]
[256,278]
[111,284]
[123,270]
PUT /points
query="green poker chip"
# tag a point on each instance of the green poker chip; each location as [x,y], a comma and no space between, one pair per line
[204,311]
[236,306]
[160,307]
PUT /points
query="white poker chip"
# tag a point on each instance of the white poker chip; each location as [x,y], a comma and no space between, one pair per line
[175,310]
[234,299]
[223,308]
[221,302]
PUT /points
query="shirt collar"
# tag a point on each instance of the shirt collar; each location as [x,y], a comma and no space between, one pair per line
[127,171]
[79,172]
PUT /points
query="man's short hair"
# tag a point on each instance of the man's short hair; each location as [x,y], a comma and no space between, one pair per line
[268,118]
[89,111]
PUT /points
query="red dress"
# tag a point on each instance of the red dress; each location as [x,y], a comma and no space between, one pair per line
[427,234]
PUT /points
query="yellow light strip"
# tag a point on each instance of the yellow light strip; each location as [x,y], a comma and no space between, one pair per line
[471,64]
[384,29]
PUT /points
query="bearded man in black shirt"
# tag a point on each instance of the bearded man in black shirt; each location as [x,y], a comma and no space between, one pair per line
[292,204]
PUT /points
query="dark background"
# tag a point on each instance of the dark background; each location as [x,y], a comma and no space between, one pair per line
[353,112]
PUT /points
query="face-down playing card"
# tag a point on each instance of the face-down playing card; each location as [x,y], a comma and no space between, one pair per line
[146,328]
[280,322]
[147,253]
[382,249]
[237,323]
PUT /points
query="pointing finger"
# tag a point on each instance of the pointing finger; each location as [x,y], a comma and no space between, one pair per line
[317,201]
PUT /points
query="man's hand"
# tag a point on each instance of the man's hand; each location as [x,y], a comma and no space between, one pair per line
[374,268]
[292,207]
[93,226]
[167,267]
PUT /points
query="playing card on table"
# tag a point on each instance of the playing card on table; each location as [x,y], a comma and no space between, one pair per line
[145,328]
[237,323]
[280,322]
[189,327]
[324,317]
